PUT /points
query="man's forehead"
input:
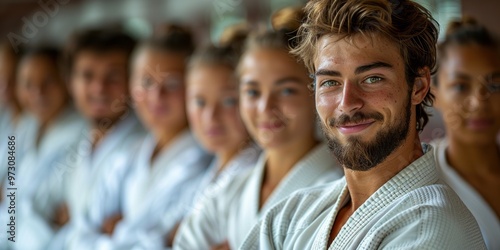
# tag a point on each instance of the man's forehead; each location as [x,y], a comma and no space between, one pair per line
[355,49]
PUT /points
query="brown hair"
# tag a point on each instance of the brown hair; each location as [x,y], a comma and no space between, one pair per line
[285,24]
[226,56]
[172,38]
[50,52]
[97,40]
[465,31]
[405,22]
[234,36]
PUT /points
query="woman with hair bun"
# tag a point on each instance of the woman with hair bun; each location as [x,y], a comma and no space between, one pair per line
[467,90]
[213,111]
[278,111]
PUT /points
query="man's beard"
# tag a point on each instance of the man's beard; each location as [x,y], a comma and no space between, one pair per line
[362,156]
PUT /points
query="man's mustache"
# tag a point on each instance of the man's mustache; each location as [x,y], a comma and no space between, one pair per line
[358,117]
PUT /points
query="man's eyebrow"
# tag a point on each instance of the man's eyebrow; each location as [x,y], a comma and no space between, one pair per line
[326,72]
[359,70]
[370,66]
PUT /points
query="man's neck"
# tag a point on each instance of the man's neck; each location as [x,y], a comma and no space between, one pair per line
[362,184]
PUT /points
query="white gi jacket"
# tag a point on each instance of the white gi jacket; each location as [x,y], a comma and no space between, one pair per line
[234,209]
[488,222]
[413,210]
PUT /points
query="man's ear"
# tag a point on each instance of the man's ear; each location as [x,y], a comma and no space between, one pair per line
[421,86]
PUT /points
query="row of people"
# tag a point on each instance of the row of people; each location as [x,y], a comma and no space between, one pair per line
[98,180]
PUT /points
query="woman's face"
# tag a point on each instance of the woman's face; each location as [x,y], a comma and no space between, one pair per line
[275,103]
[468,93]
[212,103]
[157,89]
[40,87]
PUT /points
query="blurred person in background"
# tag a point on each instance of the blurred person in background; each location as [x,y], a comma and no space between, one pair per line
[40,80]
[98,71]
[170,164]
[212,101]
[213,108]
[213,112]
[467,90]
[278,110]
[13,121]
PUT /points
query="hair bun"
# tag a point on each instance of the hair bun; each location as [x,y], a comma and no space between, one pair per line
[464,22]
[287,22]
[288,19]
[234,36]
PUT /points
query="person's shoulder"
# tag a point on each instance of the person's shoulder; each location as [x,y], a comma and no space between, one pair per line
[226,191]
[437,195]
[434,216]
[305,205]
[440,206]
[238,182]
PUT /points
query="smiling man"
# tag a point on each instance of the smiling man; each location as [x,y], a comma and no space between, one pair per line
[372,62]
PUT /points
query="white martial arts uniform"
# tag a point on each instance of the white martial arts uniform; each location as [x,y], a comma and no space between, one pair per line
[488,222]
[24,132]
[213,180]
[95,183]
[6,130]
[234,208]
[155,190]
[413,210]
[41,188]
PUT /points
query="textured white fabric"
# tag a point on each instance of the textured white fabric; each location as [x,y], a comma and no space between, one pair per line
[25,134]
[153,190]
[213,180]
[95,182]
[413,210]
[234,208]
[488,222]
[40,182]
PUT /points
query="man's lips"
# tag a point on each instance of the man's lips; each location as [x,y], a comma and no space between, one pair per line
[352,128]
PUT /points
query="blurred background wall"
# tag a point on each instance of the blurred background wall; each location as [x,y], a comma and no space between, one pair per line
[30,22]
[51,21]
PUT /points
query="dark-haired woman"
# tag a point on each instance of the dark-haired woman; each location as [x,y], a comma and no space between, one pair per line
[43,94]
[15,123]
[468,95]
